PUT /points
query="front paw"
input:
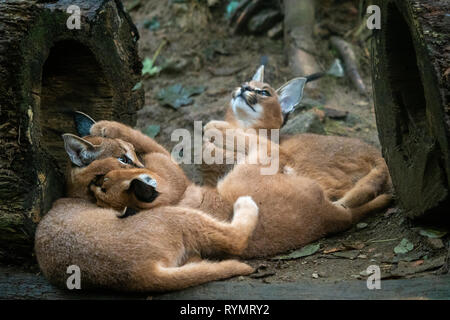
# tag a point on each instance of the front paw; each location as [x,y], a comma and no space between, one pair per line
[107,129]
[216,125]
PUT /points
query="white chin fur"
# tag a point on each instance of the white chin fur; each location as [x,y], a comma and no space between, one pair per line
[244,113]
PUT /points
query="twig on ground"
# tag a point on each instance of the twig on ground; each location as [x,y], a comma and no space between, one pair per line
[346,52]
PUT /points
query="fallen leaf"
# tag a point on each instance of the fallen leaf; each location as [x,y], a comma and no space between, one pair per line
[404,246]
[152,130]
[333,250]
[405,268]
[361,225]
[176,95]
[303,252]
[152,24]
[432,233]
[353,245]
[149,68]
[137,86]
[417,263]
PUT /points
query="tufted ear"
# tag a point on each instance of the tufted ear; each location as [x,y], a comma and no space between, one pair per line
[290,94]
[259,75]
[83,123]
[81,152]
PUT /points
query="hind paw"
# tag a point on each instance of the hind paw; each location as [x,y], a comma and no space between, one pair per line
[340,203]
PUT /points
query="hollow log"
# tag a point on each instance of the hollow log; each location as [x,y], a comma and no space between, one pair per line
[46,72]
[410,70]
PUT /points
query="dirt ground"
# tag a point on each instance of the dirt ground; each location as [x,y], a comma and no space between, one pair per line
[199,43]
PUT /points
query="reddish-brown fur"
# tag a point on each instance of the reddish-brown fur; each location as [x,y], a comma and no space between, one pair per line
[350,171]
[157,250]
[293,209]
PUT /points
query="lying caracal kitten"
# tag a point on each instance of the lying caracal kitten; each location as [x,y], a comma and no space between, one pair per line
[157,250]
[350,171]
[293,210]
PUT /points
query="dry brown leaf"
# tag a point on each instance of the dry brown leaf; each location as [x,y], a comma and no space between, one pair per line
[417,263]
[333,250]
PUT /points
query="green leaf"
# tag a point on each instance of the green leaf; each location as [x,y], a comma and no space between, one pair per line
[149,68]
[231,7]
[361,225]
[307,250]
[404,246]
[152,24]
[152,130]
[432,233]
[176,95]
[137,86]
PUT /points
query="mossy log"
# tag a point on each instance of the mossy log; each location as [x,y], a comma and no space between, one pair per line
[410,70]
[46,72]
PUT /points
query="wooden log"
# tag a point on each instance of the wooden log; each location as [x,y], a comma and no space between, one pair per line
[410,57]
[47,71]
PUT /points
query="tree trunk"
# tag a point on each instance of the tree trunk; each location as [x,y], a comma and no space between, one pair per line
[47,71]
[410,62]
[299,18]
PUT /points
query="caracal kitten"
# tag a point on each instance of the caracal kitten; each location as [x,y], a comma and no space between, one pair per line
[293,210]
[159,249]
[350,171]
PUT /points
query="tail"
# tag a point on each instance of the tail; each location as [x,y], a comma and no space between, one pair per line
[191,274]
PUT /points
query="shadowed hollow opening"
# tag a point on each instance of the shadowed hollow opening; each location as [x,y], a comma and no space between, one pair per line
[415,140]
[72,80]
[405,82]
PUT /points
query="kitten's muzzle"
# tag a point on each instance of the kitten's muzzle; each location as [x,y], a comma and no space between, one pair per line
[246,93]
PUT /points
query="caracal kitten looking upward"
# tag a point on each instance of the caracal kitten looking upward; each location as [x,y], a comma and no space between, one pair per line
[293,210]
[157,250]
[350,171]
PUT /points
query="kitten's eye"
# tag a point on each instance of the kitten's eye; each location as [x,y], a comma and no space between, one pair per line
[264,93]
[125,160]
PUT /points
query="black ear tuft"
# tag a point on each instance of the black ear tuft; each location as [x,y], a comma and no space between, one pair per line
[83,123]
[144,188]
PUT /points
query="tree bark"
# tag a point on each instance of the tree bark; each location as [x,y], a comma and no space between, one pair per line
[47,71]
[410,59]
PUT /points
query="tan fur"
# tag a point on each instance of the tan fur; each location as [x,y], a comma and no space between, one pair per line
[144,252]
[350,171]
[78,179]
[293,210]
[159,249]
